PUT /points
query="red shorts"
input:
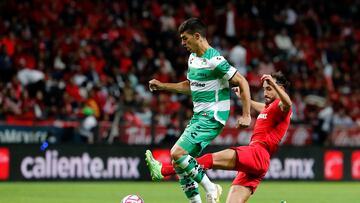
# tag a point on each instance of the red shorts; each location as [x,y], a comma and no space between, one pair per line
[252,164]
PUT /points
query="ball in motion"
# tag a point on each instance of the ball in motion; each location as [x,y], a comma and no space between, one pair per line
[132,199]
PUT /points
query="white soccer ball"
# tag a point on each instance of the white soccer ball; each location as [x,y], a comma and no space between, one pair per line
[132,199]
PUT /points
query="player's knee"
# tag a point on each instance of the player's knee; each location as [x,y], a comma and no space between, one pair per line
[238,194]
[176,153]
[235,197]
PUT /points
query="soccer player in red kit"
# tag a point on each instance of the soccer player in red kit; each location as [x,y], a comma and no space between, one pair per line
[252,161]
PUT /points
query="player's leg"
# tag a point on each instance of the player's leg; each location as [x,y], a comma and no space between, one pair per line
[225,159]
[228,159]
[238,194]
[187,183]
[159,170]
[251,163]
[189,164]
[195,138]
[189,186]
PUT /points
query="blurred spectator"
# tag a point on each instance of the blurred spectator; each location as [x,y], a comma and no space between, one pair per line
[237,56]
[231,20]
[32,79]
[341,119]
[266,66]
[284,43]
[171,136]
[88,125]
[325,124]
[145,113]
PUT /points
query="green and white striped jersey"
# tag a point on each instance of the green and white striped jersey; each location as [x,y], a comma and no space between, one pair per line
[209,83]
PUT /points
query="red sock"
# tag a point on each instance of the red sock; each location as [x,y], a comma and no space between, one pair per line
[167,169]
[205,161]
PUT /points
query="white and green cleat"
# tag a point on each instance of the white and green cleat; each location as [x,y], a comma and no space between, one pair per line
[154,166]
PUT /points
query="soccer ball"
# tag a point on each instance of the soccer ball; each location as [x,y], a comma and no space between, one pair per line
[132,199]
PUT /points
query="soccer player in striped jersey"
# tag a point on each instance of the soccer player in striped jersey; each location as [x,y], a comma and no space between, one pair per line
[208,78]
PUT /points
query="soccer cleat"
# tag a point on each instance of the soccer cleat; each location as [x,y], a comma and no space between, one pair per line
[214,197]
[154,166]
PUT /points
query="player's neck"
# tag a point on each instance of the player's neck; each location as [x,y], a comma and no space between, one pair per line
[203,46]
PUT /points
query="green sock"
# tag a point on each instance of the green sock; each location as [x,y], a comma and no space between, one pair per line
[191,167]
[194,170]
[189,186]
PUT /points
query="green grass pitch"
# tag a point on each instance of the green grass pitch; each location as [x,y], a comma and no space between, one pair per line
[170,192]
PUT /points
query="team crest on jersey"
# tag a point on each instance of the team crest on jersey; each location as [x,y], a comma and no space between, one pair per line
[262,116]
[203,62]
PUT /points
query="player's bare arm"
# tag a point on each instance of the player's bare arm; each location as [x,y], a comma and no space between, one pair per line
[258,106]
[240,81]
[285,101]
[180,87]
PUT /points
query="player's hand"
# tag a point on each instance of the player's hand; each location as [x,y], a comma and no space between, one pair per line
[237,91]
[154,85]
[243,121]
[269,79]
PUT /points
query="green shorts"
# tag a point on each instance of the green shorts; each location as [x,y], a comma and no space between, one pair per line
[201,130]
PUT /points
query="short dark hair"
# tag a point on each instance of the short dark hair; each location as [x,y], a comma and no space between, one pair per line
[280,79]
[193,25]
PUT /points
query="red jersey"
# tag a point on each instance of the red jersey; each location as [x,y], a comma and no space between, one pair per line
[271,125]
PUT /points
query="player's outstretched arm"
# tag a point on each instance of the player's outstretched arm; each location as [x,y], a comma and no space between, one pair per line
[180,87]
[241,82]
[258,106]
[285,101]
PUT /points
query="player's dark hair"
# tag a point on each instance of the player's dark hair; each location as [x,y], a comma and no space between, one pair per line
[280,79]
[193,25]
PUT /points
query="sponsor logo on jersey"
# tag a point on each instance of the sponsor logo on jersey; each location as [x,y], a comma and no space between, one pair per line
[197,84]
[201,74]
[262,116]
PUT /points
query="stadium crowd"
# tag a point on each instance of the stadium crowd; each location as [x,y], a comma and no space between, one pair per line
[65,59]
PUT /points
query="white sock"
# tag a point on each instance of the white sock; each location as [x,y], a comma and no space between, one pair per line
[195,199]
[207,184]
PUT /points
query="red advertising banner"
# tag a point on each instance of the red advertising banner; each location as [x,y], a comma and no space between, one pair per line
[333,165]
[355,165]
[4,163]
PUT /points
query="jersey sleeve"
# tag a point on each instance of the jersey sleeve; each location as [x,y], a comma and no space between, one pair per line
[222,68]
